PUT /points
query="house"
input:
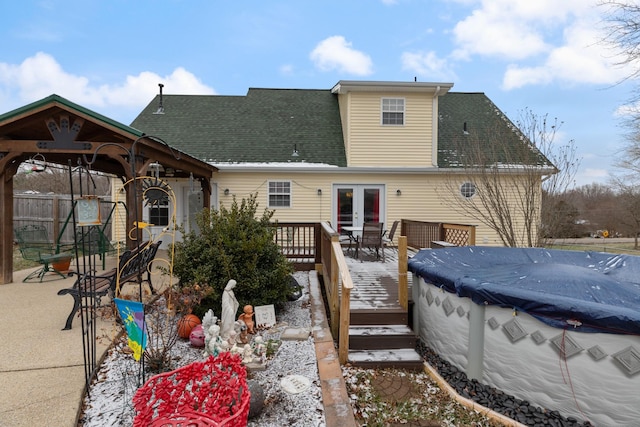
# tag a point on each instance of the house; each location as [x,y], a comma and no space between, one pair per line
[360,151]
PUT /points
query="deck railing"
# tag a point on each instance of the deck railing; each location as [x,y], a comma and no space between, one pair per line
[338,285]
[317,245]
[299,242]
[421,234]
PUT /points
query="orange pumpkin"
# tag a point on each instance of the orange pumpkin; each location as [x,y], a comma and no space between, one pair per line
[186,324]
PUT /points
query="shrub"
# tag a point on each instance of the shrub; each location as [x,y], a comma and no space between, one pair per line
[234,243]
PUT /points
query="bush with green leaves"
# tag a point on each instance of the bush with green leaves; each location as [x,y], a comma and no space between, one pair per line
[234,243]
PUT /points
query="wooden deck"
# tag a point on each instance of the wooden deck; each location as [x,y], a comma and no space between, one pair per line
[375,282]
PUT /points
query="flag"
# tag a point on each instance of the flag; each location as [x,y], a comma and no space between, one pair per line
[132,314]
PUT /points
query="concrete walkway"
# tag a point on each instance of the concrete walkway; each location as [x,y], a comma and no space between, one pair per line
[41,366]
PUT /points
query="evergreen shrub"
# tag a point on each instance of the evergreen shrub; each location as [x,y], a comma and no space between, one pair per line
[234,243]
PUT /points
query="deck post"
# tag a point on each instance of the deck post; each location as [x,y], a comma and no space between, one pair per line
[334,309]
[403,287]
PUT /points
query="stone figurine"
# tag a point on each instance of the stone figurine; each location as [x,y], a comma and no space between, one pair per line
[229,309]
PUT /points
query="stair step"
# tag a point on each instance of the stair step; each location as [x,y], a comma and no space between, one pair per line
[379,317]
[385,329]
[377,337]
[406,358]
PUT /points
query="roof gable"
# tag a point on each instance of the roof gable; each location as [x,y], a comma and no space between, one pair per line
[44,107]
[471,128]
[263,126]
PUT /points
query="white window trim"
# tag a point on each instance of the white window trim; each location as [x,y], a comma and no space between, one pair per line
[382,111]
[464,193]
[269,194]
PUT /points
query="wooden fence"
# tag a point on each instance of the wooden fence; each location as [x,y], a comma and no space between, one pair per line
[53,211]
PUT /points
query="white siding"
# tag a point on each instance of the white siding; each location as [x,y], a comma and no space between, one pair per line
[369,143]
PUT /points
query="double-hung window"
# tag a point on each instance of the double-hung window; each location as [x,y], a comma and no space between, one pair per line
[159,212]
[279,194]
[393,111]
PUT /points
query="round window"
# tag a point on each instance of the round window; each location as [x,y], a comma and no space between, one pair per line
[468,189]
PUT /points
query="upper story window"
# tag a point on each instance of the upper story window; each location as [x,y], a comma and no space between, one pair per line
[279,194]
[393,111]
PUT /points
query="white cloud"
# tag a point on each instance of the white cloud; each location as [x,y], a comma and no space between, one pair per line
[591,175]
[581,59]
[41,75]
[428,65]
[335,53]
[545,41]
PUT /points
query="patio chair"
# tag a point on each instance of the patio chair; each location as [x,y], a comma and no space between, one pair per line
[371,238]
[387,239]
[34,245]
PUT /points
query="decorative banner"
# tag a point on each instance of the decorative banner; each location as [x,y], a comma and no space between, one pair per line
[132,314]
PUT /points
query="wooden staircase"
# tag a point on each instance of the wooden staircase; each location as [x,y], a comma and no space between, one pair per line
[380,338]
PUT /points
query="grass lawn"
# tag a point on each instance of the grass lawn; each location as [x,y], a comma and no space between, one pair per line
[604,246]
[20,263]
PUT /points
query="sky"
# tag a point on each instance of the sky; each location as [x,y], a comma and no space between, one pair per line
[544,56]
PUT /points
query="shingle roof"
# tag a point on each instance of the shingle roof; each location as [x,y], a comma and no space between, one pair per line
[266,124]
[491,137]
[263,126]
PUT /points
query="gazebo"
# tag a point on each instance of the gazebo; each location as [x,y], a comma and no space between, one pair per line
[63,132]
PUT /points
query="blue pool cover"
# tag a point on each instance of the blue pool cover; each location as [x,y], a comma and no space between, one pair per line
[588,291]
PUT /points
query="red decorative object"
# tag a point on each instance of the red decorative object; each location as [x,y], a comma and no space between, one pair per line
[186,324]
[197,336]
[213,393]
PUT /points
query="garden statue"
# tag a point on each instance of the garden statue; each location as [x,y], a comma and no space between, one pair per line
[244,336]
[247,354]
[247,318]
[229,309]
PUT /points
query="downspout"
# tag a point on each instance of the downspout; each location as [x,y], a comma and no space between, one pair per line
[434,127]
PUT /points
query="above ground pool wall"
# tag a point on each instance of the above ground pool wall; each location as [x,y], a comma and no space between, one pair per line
[597,381]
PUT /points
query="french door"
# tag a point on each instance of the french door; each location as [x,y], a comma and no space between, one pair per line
[356,204]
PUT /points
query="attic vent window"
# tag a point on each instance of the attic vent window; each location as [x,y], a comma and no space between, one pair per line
[468,190]
[393,111]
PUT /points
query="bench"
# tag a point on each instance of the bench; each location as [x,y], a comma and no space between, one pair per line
[131,266]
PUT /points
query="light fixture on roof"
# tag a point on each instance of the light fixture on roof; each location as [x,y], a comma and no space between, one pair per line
[295,151]
[160,109]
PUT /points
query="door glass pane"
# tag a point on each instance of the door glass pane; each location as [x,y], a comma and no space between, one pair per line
[345,207]
[371,205]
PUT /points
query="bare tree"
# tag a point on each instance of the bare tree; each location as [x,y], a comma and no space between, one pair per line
[598,204]
[622,25]
[628,207]
[510,167]
[51,178]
